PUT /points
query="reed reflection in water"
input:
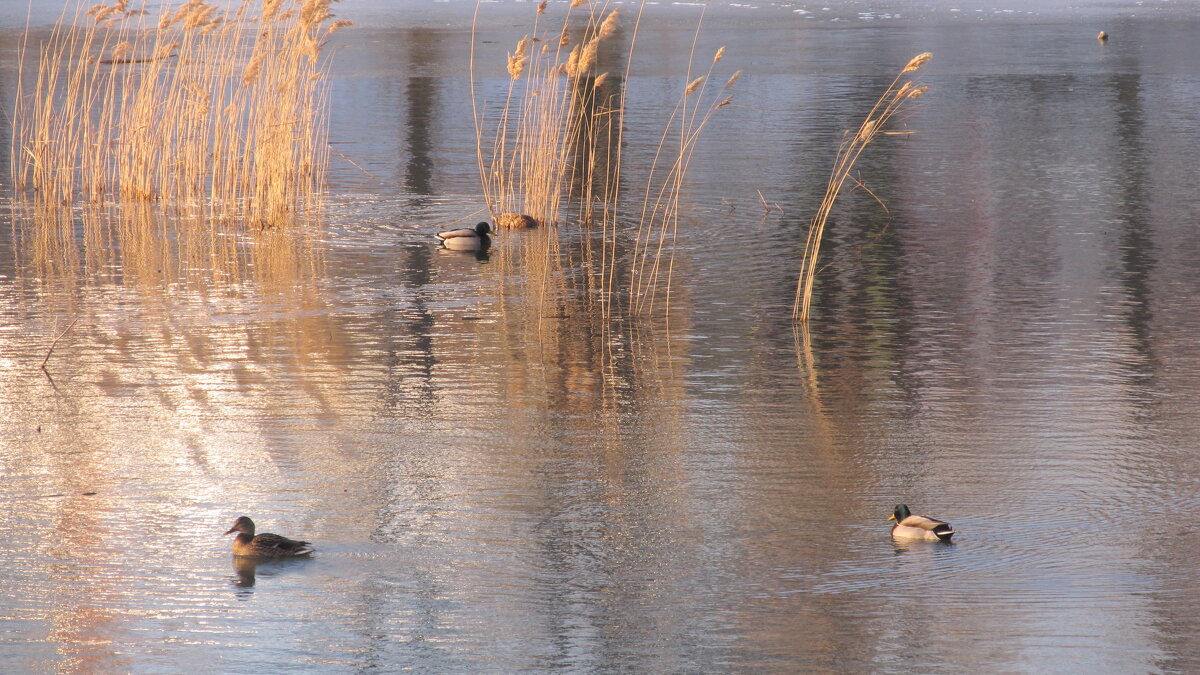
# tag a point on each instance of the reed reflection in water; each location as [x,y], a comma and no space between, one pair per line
[504,470]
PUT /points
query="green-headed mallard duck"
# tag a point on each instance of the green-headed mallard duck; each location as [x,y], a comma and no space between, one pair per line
[467,238]
[265,545]
[925,528]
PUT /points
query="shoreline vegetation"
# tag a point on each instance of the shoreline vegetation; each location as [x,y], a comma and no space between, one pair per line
[217,109]
[222,111]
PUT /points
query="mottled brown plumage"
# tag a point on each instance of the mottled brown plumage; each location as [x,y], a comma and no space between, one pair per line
[265,545]
[515,221]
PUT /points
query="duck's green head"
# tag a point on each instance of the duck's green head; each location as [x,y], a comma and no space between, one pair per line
[243,525]
[900,513]
[483,229]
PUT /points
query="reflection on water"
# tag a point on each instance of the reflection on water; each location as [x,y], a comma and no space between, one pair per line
[248,570]
[505,470]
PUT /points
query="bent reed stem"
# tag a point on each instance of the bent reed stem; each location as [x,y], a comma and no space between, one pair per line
[850,149]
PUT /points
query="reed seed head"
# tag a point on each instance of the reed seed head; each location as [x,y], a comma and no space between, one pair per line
[867,131]
[572,68]
[918,92]
[587,58]
[608,27]
[720,53]
[693,85]
[727,101]
[518,59]
[254,67]
[122,51]
[542,6]
[732,78]
[101,12]
[166,50]
[199,16]
[338,25]
[314,12]
[600,80]
[916,62]
[576,3]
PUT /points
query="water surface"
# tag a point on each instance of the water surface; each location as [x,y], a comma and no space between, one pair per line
[497,478]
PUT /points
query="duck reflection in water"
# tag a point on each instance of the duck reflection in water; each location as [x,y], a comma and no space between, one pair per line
[247,570]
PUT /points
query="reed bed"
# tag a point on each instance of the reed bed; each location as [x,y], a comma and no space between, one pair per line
[554,148]
[889,104]
[527,163]
[220,108]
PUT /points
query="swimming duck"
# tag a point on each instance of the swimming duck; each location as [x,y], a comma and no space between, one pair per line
[515,221]
[909,526]
[467,238]
[265,545]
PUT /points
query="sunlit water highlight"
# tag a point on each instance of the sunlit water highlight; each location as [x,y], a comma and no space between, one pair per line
[497,480]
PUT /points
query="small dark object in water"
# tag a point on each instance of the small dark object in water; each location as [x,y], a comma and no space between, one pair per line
[1103,37]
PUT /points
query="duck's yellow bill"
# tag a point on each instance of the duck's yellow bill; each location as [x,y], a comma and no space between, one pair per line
[892,517]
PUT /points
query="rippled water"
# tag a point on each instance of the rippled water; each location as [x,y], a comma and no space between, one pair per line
[496,478]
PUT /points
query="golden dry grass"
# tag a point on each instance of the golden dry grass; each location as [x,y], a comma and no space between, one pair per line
[889,104]
[525,153]
[556,142]
[218,108]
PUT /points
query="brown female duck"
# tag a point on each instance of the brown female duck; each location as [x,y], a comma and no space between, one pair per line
[265,545]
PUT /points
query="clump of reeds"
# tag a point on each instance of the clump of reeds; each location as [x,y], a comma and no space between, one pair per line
[890,103]
[203,105]
[658,227]
[527,163]
[559,136]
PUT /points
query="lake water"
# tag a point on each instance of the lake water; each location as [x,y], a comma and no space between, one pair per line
[500,475]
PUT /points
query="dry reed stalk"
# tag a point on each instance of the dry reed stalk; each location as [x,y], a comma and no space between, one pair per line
[224,107]
[528,163]
[560,137]
[56,340]
[889,104]
[659,225]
